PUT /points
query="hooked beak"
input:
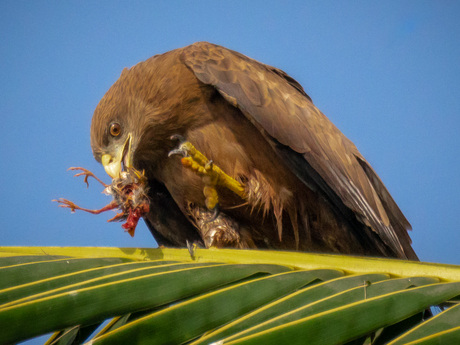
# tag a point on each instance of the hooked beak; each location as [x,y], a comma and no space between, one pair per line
[123,156]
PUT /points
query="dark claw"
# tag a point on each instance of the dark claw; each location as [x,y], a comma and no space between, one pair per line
[191,250]
[215,214]
[180,150]
[209,165]
[178,137]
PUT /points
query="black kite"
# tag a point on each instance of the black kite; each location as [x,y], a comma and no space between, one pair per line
[304,185]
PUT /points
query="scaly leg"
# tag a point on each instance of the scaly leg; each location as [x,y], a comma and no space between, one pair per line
[87,174]
[69,204]
[211,174]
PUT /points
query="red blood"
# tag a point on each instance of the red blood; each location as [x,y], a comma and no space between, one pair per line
[133,218]
[122,190]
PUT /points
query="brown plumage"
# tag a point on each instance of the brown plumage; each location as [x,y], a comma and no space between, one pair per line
[307,186]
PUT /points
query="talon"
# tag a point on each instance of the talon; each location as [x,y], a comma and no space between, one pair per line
[215,213]
[191,249]
[66,204]
[178,137]
[87,174]
[179,151]
[69,204]
[209,165]
[210,174]
[183,148]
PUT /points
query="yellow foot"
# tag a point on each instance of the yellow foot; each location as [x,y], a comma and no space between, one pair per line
[211,174]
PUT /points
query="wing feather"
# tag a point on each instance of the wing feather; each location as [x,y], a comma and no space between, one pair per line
[276,103]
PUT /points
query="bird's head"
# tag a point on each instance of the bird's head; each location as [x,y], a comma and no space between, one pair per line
[134,120]
[113,140]
[119,124]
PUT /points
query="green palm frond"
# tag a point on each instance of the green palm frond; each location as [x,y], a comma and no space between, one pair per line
[166,296]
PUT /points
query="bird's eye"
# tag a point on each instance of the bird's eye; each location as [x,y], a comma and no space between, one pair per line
[115,129]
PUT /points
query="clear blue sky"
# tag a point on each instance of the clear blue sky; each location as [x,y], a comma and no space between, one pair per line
[386,73]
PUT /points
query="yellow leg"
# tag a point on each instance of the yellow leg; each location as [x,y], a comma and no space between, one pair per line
[211,174]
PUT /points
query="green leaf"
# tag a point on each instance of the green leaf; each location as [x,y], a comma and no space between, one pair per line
[346,297]
[211,310]
[86,278]
[355,320]
[73,335]
[451,336]
[434,328]
[293,301]
[208,297]
[94,304]
[115,323]
[29,272]
[391,332]
[16,260]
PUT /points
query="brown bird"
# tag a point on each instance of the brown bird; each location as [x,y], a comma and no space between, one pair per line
[293,182]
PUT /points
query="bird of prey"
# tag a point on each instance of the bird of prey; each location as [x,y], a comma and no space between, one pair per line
[237,155]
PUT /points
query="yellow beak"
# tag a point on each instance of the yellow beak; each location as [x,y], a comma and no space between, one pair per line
[113,165]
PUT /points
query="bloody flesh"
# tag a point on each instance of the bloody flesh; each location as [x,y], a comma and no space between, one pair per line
[129,192]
